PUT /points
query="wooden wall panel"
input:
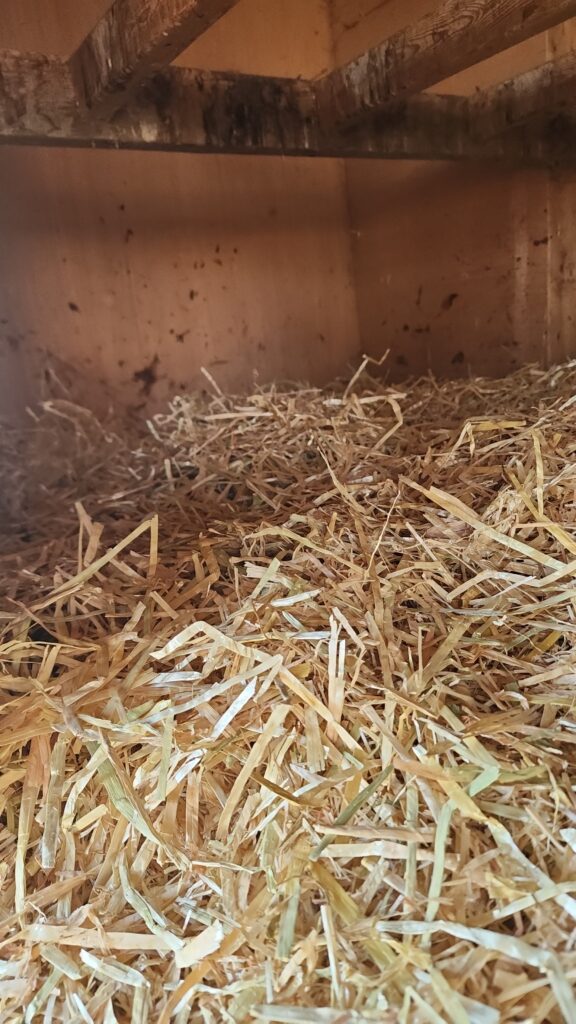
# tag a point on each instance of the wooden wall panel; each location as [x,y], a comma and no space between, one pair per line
[459,268]
[268,37]
[53,26]
[122,274]
[451,266]
[137,276]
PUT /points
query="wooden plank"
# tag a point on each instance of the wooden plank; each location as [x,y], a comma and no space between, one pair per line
[134,39]
[176,109]
[35,91]
[546,91]
[180,110]
[203,112]
[457,35]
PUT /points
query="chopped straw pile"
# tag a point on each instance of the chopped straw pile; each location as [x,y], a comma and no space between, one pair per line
[288,727]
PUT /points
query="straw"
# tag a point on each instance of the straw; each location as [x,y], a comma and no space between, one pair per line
[288,717]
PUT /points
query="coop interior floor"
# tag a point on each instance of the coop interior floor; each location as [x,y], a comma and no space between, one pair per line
[287,730]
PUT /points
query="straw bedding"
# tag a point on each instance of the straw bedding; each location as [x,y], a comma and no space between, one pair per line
[287,718]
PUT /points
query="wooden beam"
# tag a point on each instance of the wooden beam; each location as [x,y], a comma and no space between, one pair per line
[132,41]
[36,92]
[457,35]
[204,112]
[177,109]
[546,91]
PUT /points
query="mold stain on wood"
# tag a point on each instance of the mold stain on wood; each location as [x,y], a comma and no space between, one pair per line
[147,376]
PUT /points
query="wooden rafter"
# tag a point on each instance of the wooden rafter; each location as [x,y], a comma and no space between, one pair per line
[458,34]
[134,39]
[35,92]
[205,112]
[546,91]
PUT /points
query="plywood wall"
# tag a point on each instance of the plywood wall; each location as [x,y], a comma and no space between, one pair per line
[459,268]
[122,274]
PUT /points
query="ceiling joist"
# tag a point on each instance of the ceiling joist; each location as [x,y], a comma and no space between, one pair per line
[205,112]
[457,35]
[372,108]
[132,41]
[547,91]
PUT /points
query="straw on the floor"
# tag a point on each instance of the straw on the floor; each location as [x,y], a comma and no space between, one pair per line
[287,722]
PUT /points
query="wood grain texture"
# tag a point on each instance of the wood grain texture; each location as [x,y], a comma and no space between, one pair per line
[546,91]
[134,39]
[457,35]
[178,109]
[35,91]
[190,111]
